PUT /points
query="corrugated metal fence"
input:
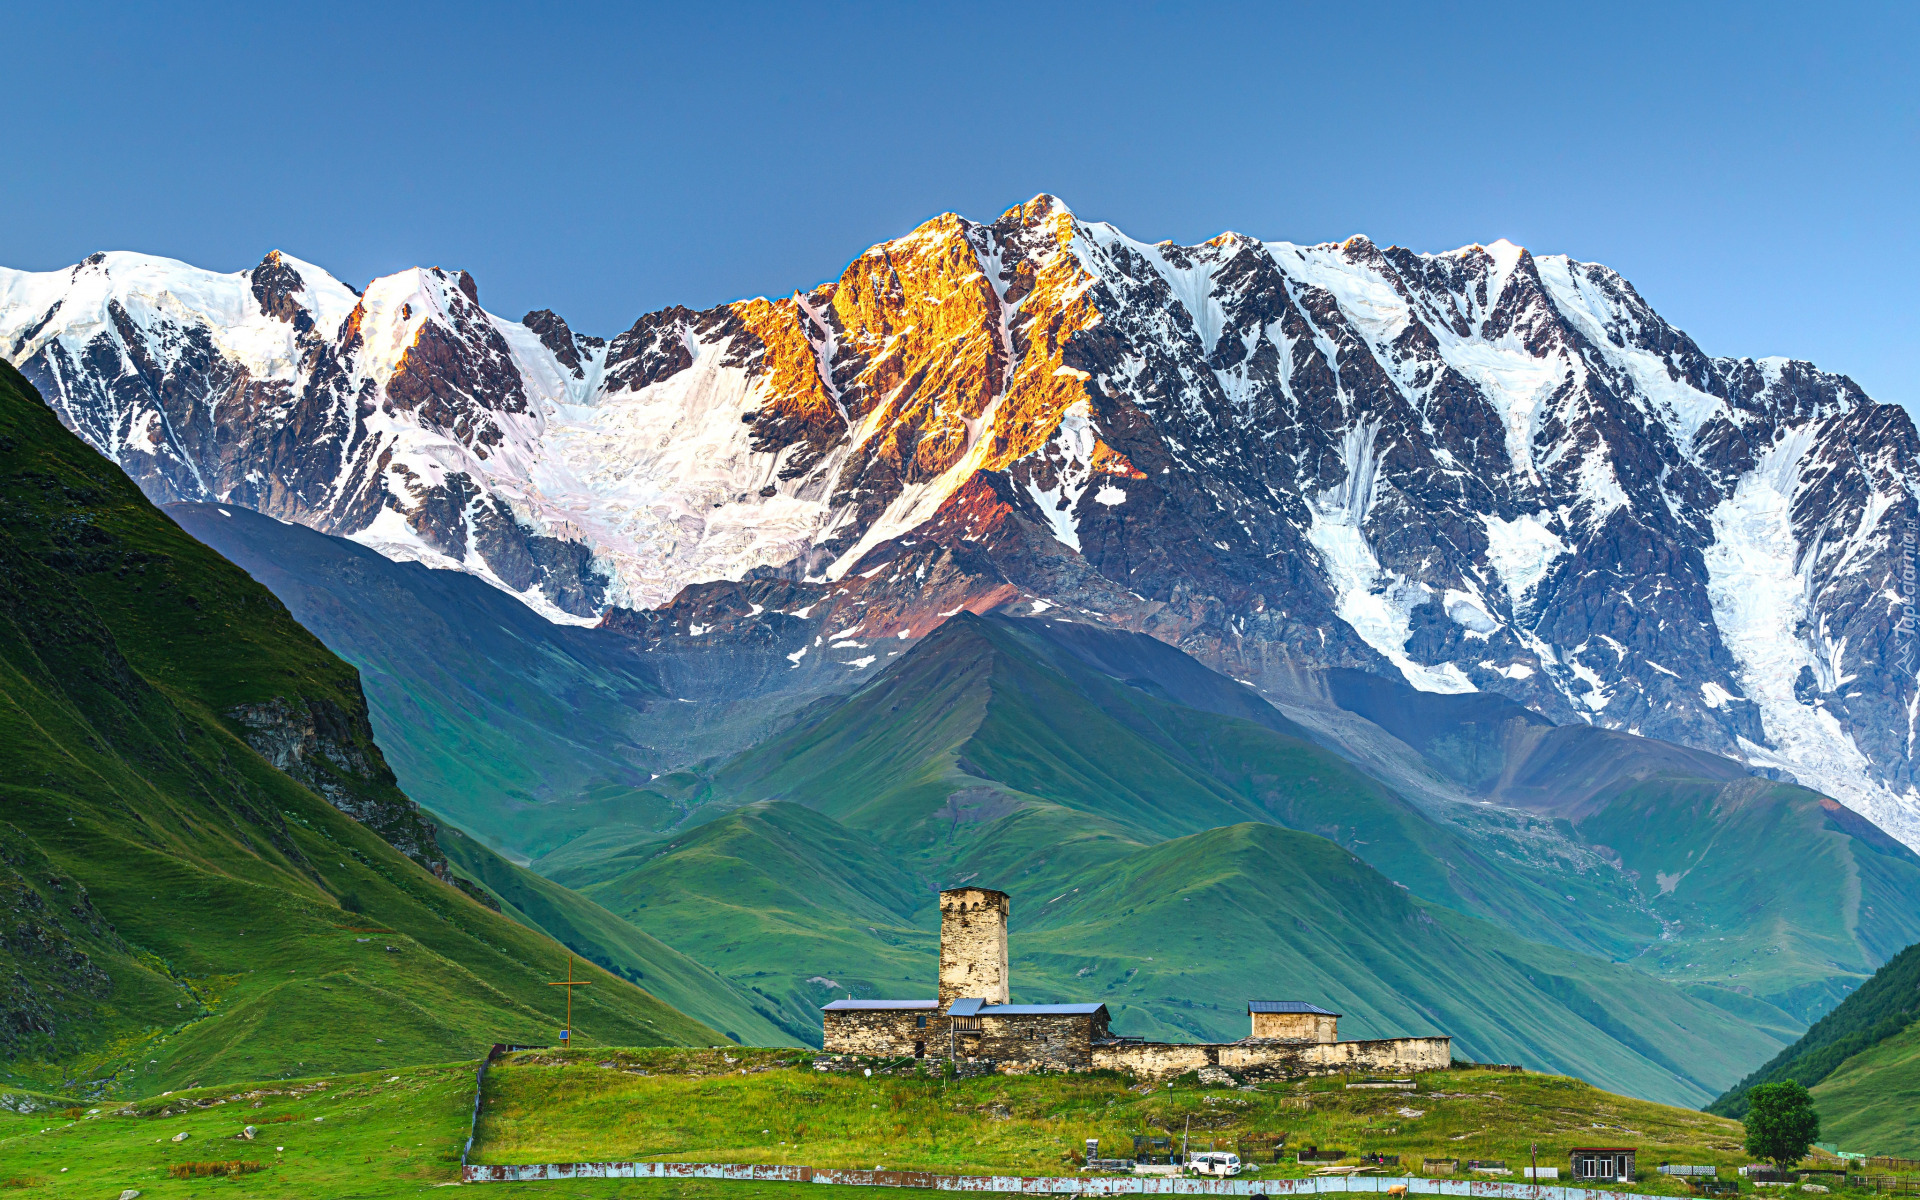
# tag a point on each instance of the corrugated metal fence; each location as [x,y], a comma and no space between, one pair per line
[480,1086]
[1028,1185]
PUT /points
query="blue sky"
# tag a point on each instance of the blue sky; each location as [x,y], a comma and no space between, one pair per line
[1751,167]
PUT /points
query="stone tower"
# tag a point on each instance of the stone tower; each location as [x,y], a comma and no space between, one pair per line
[973,944]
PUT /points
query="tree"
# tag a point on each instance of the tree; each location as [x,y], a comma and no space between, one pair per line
[1781,1123]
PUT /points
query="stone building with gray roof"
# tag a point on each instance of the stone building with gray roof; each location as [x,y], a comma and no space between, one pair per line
[972,1020]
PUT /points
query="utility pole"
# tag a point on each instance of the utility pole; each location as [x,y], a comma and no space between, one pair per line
[566,1035]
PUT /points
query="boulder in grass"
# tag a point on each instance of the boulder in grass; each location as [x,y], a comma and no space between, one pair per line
[130,1194]
[181,1137]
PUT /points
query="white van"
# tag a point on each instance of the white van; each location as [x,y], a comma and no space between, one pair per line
[1214,1162]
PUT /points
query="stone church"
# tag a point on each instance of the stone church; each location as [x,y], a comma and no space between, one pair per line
[974,1021]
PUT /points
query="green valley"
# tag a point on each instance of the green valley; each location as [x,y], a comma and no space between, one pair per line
[1033,752]
[1175,845]
[1170,861]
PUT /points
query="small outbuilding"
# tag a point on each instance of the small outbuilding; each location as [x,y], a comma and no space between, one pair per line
[1603,1163]
[1292,1021]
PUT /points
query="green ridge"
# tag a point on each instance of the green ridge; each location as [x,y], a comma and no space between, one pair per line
[991,713]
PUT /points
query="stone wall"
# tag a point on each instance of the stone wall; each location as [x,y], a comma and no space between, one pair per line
[1053,1042]
[1154,1060]
[887,1032]
[1297,1027]
[973,944]
[1032,1043]
[1276,1059]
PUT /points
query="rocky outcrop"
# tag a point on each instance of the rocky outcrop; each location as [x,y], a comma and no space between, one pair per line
[332,752]
[1475,471]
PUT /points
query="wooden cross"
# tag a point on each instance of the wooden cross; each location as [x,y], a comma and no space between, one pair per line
[566,1035]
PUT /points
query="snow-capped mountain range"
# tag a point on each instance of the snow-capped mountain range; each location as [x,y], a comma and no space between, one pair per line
[1478,470]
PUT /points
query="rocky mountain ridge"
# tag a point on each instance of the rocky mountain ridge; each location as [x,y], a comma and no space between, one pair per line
[1480,470]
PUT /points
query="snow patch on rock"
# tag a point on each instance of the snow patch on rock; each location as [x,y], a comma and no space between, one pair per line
[1523,551]
[1378,604]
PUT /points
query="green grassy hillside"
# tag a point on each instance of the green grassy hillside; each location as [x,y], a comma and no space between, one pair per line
[1768,890]
[1883,1008]
[1771,899]
[989,717]
[1255,912]
[1871,1102]
[782,901]
[619,946]
[1174,937]
[179,909]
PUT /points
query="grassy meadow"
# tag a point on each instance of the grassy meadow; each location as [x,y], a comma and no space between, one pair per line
[751,1106]
[388,1133]
[364,1137]
[399,1133]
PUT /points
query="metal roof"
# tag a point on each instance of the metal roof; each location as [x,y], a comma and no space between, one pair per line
[973,1007]
[970,1006]
[1038,1010]
[1602,1150]
[1286,1006]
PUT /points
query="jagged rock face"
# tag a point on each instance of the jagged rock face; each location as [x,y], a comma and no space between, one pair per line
[325,747]
[1475,470]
